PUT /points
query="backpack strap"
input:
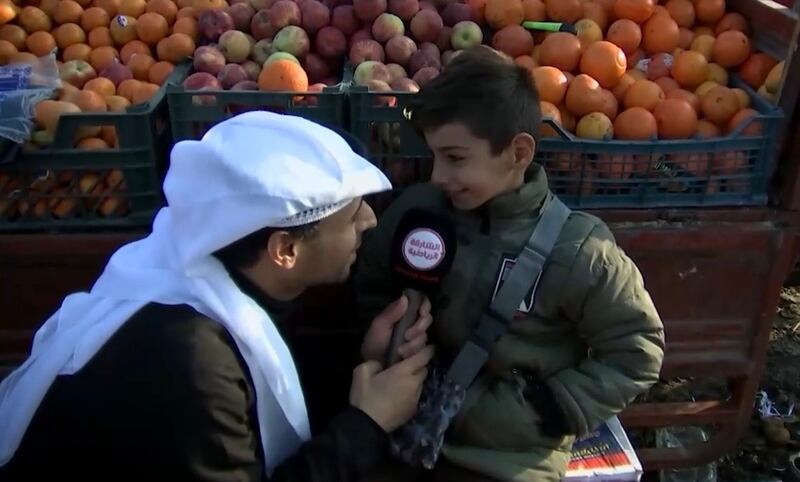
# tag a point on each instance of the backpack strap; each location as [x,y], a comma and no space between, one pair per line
[523,277]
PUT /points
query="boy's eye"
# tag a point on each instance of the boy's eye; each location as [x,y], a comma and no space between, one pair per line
[455,158]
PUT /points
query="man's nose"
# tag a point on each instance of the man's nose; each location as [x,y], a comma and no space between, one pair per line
[368,219]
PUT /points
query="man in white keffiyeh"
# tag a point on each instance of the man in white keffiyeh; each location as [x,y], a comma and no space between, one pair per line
[171,368]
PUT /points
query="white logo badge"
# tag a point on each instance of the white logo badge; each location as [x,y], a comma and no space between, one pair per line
[423,249]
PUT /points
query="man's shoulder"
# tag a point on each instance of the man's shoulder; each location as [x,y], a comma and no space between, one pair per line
[179,335]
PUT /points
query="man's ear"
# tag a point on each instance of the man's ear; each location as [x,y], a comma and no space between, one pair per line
[282,249]
[524,148]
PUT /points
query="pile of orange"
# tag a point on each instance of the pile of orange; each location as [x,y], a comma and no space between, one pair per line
[148,36]
[690,46]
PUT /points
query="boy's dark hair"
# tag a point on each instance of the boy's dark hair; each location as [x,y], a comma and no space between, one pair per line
[484,90]
[245,252]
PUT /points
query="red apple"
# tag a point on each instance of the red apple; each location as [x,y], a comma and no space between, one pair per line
[242,14]
[246,85]
[404,85]
[405,9]
[371,70]
[252,68]
[314,15]
[387,26]
[425,75]
[213,23]
[359,35]
[456,12]
[235,46]
[366,50]
[117,73]
[294,40]
[368,10]
[260,26]
[330,42]
[208,59]
[284,13]
[426,25]
[400,49]
[344,19]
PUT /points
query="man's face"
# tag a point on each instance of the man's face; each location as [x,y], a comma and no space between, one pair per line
[465,168]
[327,256]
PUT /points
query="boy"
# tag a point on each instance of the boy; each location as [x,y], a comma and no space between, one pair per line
[592,339]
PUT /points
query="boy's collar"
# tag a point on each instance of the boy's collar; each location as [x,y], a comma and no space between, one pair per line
[523,200]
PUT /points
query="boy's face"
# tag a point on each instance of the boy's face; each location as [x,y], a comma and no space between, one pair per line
[467,171]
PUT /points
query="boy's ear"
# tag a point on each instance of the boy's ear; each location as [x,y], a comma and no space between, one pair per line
[524,147]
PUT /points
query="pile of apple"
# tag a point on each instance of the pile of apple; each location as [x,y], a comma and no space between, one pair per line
[392,44]
[238,40]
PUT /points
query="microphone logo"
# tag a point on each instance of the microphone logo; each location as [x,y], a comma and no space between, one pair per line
[423,249]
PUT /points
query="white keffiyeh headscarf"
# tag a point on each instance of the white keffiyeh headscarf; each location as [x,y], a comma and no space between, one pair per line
[252,171]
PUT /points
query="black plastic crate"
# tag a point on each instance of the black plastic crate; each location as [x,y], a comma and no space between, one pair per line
[66,188]
[730,170]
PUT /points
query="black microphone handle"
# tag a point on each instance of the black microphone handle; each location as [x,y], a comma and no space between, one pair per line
[399,332]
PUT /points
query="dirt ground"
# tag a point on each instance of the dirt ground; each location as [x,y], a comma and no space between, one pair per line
[761,455]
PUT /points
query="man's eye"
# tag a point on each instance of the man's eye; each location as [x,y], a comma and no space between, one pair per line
[455,159]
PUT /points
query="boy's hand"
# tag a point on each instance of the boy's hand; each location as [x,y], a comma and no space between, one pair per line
[376,341]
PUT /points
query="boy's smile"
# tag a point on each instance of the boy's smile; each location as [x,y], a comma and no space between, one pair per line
[467,170]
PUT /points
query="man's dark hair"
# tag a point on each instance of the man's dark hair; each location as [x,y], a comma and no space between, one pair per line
[484,90]
[245,252]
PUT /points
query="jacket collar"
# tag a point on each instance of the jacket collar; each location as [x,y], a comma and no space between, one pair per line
[526,199]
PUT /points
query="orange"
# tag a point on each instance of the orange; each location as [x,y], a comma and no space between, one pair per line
[534,10]
[562,50]
[703,30]
[499,13]
[47,113]
[8,11]
[187,25]
[126,88]
[40,43]
[549,111]
[69,34]
[100,37]
[564,10]
[594,11]
[151,27]
[132,8]
[706,129]
[102,86]
[755,69]
[134,47]
[48,6]
[527,62]
[667,84]
[626,34]
[143,92]
[123,29]
[744,98]
[77,52]
[175,48]
[110,6]
[33,19]
[23,58]
[685,39]
[90,101]
[676,119]
[635,123]
[186,12]
[109,133]
[102,57]
[705,45]
[605,62]
[165,8]
[14,34]
[551,84]
[568,121]
[68,11]
[752,129]
[159,72]
[117,103]
[731,48]
[687,96]
[637,74]
[7,51]
[719,105]
[94,17]
[622,86]
[645,94]
[732,21]
[201,6]
[690,69]
[705,87]
[608,104]
[140,65]
[709,12]
[682,11]
[584,96]
[660,34]
[637,10]
[283,75]
[91,143]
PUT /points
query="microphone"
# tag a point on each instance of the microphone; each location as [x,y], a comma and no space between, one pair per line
[423,250]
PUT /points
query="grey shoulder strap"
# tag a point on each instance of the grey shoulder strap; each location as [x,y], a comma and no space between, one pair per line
[524,274]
